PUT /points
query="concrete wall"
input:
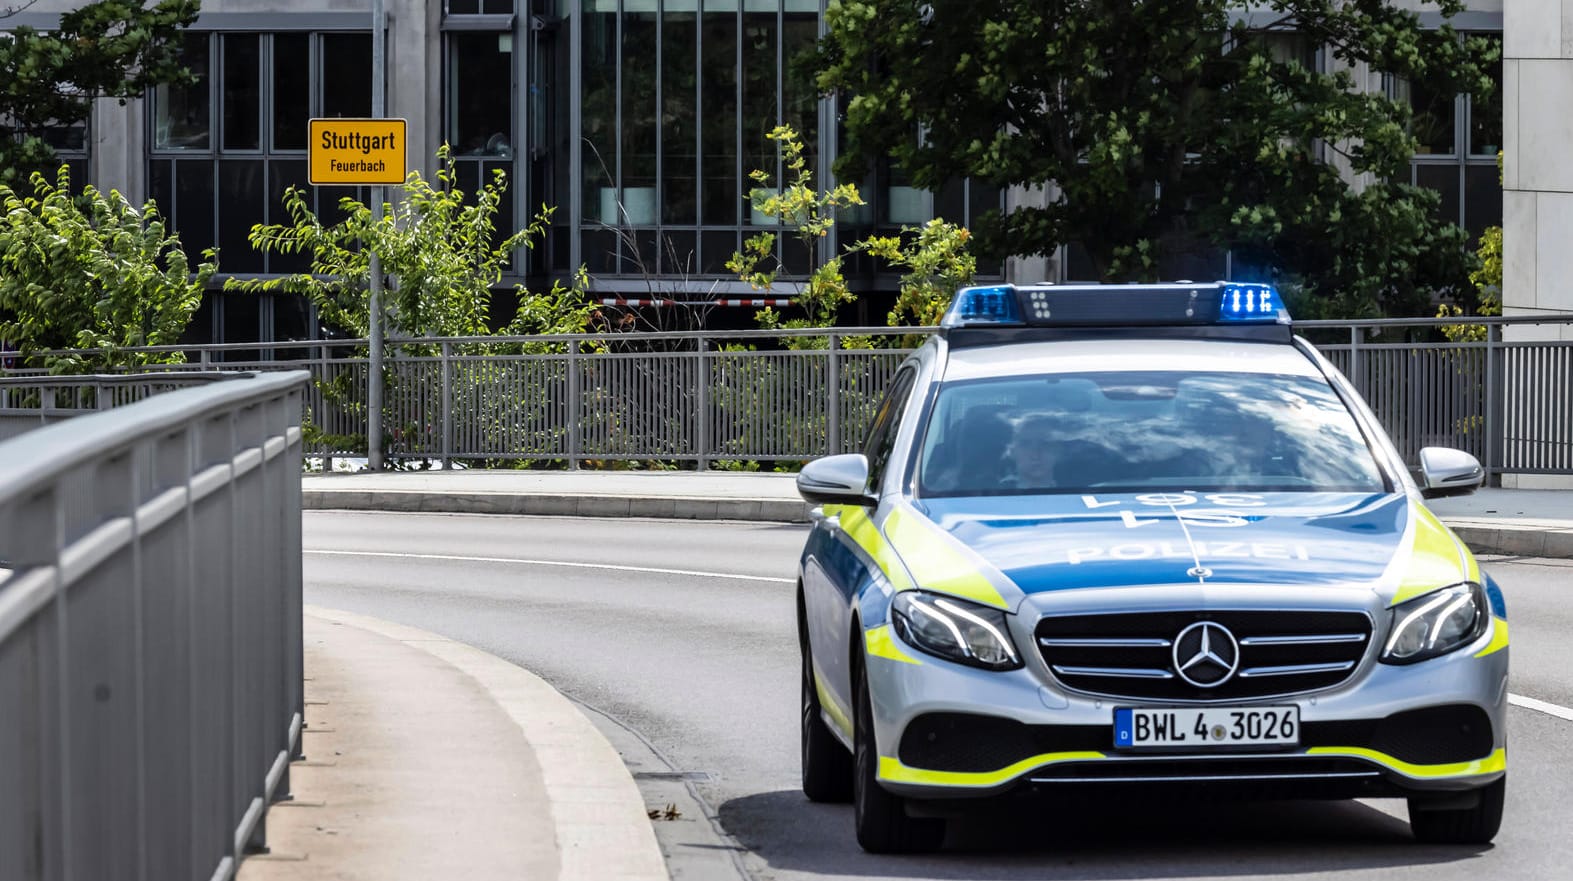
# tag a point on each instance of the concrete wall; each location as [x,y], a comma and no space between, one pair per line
[1537,177]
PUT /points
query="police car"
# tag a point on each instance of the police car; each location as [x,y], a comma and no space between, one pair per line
[1116,537]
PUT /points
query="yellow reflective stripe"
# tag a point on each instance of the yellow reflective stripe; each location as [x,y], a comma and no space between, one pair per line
[936,563]
[856,524]
[1437,558]
[893,771]
[1498,638]
[1491,764]
[882,645]
[827,702]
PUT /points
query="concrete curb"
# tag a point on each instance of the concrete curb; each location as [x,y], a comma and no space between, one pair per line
[769,510]
[1551,539]
[602,829]
[1515,541]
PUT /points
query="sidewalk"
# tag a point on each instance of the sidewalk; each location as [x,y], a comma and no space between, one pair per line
[1526,522]
[429,759]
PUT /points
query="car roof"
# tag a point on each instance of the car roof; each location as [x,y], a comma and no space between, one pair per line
[1086,356]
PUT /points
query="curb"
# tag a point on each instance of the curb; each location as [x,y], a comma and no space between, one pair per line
[1548,541]
[599,816]
[1515,541]
[769,510]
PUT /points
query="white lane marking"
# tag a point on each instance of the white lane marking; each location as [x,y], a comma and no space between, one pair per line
[465,559]
[1530,703]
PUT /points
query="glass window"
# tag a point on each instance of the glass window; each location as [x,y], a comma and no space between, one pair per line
[480,94]
[679,115]
[1137,430]
[241,95]
[291,90]
[1482,198]
[1485,116]
[598,116]
[1443,179]
[194,205]
[240,182]
[346,63]
[1433,116]
[639,130]
[182,114]
[887,421]
[719,62]
[759,93]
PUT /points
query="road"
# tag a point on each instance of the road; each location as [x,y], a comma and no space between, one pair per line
[682,633]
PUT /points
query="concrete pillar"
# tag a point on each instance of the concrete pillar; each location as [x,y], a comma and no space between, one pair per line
[1537,180]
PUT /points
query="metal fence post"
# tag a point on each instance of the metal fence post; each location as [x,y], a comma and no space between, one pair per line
[447,405]
[702,404]
[833,398]
[1496,426]
[574,406]
[1356,368]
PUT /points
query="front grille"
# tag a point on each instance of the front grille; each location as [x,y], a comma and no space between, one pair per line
[973,742]
[1131,654]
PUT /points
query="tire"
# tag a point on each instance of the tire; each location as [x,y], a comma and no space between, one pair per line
[1476,825]
[827,765]
[882,822]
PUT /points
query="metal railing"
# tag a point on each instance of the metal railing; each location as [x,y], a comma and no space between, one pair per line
[27,402]
[150,631]
[703,397]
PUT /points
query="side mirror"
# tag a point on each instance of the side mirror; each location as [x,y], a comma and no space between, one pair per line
[1448,472]
[836,480]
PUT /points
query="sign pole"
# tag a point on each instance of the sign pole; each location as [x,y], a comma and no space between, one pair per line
[374,374]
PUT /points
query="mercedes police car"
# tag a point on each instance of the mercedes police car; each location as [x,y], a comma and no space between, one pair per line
[1119,537]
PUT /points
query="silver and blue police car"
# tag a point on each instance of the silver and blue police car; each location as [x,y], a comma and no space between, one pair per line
[1141,536]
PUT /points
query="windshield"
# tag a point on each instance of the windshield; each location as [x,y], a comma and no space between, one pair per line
[1129,431]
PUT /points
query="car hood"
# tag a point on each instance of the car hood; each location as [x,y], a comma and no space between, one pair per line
[1066,542]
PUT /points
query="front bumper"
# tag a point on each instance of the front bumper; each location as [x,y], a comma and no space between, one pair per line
[946,731]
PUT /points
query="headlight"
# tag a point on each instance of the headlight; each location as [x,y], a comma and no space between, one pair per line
[955,630]
[1436,623]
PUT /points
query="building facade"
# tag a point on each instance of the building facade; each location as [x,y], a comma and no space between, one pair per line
[639,120]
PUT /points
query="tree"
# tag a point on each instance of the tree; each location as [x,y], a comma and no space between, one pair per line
[1161,124]
[810,215]
[107,49]
[90,271]
[439,248]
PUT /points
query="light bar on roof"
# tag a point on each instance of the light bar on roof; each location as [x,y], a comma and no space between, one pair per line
[996,306]
[1113,306]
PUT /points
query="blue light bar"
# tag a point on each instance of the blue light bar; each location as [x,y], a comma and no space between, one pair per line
[1249,302]
[994,306]
[1113,306]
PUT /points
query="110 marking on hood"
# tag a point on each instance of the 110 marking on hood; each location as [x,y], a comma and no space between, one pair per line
[1215,550]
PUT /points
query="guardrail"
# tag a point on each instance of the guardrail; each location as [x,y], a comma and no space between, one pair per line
[27,402]
[705,397]
[150,632]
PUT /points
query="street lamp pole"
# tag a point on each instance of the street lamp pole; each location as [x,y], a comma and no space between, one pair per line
[379,110]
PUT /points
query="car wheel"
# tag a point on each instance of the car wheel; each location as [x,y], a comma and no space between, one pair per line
[1476,825]
[827,765]
[882,822]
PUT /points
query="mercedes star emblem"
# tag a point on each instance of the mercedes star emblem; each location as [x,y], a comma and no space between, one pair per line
[1206,654]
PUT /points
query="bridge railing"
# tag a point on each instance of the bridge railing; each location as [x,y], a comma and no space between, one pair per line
[150,631]
[708,397]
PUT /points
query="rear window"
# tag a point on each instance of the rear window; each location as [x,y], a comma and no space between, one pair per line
[1139,430]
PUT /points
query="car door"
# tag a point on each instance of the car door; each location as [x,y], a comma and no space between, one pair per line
[837,569]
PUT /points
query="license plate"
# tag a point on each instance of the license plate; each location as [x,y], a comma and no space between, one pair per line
[1135,728]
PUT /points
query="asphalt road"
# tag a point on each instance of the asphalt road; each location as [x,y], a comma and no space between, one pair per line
[683,633]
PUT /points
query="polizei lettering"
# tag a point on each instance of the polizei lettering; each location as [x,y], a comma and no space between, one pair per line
[1216,550]
[358,141]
